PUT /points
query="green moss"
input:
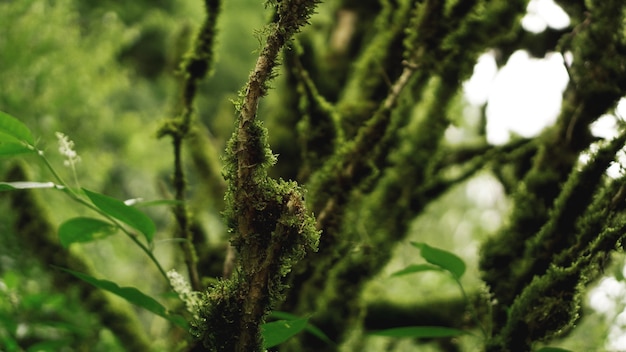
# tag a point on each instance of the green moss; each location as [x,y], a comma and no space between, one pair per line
[351,259]
[318,126]
[550,231]
[548,307]
[271,228]
[556,235]
[219,314]
[283,234]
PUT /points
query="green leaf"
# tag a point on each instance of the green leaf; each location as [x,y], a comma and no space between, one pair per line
[553,349]
[315,331]
[127,214]
[84,230]
[132,295]
[8,148]
[416,268]
[11,186]
[310,328]
[15,129]
[419,332]
[277,332]
[154,203]
[443,259]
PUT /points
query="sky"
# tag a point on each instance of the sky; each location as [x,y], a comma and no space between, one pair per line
[525,95]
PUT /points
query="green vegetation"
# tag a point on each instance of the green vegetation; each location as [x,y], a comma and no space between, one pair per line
[246,176]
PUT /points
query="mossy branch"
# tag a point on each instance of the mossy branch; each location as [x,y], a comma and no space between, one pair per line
[556,235]
[196,65]
[547,307]
[347,169]
[590,93]
[271,226]
[550,304]
[375,67]
[433,47]
[408,184]
[319,129]
[545,288]
[291,16]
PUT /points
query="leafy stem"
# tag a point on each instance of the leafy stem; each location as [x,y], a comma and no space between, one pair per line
[74,195]
[438,260]
[55,174]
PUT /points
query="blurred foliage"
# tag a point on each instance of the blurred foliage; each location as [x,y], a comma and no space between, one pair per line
[35,315]
[102,73]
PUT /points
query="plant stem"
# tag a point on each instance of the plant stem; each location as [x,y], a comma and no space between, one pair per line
[182,216]
[472,309]
[196,65]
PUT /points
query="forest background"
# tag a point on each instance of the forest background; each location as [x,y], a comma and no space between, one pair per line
[515,211]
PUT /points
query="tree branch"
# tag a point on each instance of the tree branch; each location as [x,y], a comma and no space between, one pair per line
[196,65]
[271,226]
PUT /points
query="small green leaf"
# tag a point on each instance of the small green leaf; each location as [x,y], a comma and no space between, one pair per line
[553,349]
[443,259]
[11,186]
[127,214]
[84,230]
[315,331]
[279,331]
[416,268]
[132,295]
[14,128]
[419,332]
[310,328]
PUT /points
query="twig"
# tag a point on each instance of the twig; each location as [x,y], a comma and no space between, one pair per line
[195,67]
